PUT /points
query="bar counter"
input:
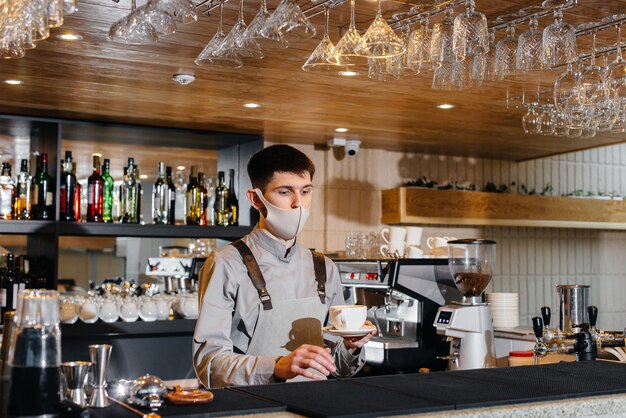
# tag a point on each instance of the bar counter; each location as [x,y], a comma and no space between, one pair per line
[593,388]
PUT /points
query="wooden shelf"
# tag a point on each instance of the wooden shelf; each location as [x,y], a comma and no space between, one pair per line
[411,205]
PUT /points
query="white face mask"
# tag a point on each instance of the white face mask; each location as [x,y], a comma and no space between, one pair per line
[284,223]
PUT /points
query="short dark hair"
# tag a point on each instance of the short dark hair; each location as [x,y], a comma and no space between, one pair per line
[277,159]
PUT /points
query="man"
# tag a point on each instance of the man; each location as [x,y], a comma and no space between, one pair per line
[264,299]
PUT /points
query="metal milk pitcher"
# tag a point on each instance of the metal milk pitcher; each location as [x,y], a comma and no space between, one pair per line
[573,301]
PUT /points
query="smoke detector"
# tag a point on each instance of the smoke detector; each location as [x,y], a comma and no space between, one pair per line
[184,78]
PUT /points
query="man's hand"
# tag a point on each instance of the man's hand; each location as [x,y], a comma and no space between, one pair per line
[353,343]
[303,361]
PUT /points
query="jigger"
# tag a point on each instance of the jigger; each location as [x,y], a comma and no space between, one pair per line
[75,373]
[100,354]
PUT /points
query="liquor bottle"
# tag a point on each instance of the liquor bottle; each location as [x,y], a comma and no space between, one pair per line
[130,194]
[107,209]
[233,203]
[204,200]
[22,272]
[193,198]
[95,193]
[171,214]
[181,192]
[7,192]
[161,199]
[10,287]
[43,191]
[221,208]
[23,197]
[78,200]
[68,190]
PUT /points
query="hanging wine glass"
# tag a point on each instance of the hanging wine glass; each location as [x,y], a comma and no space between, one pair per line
[442,76]
[256,26]
[506,54]
[564,86]
[380,41]
[483,67]
[617,69]
[529,48]
[237,44]
[531,121]
[322,57]
[418,47]
[288,20]
[133,29]
[559,42]
[346,49]
[212,52]
[547,121]
[470,35]
[163,22]
[441,43]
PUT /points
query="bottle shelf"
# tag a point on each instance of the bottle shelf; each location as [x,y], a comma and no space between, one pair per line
[151,230]
[408,205]
[27,227]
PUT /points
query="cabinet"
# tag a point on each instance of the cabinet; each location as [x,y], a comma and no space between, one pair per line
[410,205]
[46,136]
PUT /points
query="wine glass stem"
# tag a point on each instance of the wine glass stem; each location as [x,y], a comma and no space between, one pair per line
[241,10]
[352,24]
[326,19]
[593,48]
[133,5]
[219,26]
[619,42]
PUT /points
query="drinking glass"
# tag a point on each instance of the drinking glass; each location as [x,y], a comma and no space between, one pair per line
[591,78]
[236,44]
[470,35]
[55,13]
[212,52]
[462,75]
[133,29]
[617,69]
[442,76]
[380,41]
[441,43]
[578,110]
[256,25]
[561,124]
[288,19]
[564,86]
[547,121]
[559,42]
[529,48]
[589,132]
[418,46]
[531,121]
[385,69]
[346,50]
[157,15]
[323,58]
[483,66]
[603,109]
[506,54]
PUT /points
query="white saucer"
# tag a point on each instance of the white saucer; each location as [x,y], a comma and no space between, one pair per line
[349,332]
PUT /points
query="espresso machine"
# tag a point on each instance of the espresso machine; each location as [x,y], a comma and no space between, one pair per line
[468,324]
[175,274]
[402,296]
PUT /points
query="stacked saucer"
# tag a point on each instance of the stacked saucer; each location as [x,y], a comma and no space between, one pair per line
[504,309]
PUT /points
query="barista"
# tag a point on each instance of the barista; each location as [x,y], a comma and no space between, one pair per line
[264,298]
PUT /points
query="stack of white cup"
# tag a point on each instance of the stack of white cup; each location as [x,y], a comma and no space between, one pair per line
[402,241]
[504,309]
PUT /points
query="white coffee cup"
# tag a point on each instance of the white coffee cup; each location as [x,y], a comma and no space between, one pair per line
[348,316]
[414,251]
[393,234]
[413,235]
[436,242]
[392,248]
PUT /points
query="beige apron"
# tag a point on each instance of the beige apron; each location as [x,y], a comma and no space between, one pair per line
[285,325]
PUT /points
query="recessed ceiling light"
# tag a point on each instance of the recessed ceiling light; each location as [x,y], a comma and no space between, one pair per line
[348,73]
[13,82]
[252,105]
[143,176]
[180,167]
[341,130]
[69,37]
[445,106]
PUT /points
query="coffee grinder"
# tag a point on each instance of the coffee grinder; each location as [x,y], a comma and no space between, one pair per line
[468,325]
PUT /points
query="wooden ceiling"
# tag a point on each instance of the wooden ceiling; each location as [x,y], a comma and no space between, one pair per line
[96,79]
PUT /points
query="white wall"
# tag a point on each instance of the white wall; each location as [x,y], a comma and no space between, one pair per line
[530,260]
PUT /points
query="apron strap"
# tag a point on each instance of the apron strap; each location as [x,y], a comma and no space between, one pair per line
[319,266]
[254,272]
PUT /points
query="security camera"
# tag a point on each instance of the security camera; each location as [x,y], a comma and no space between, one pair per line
[352,147]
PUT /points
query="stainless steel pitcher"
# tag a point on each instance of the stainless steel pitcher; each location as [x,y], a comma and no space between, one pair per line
[573,300]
